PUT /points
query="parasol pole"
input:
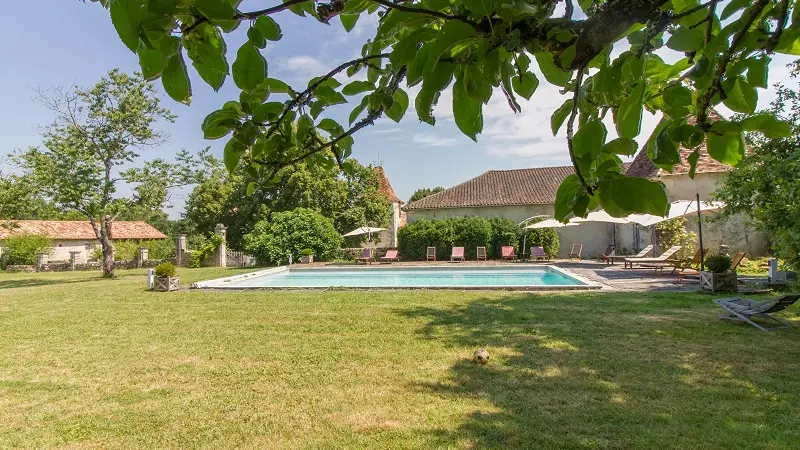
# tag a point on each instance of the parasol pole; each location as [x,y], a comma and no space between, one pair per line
[700,234]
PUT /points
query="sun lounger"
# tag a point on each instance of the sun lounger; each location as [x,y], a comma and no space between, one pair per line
[576,251]
[743,310]
[430,254]
[457,255]
[366,256]
[643,254]
[684,265]
[538,253]
[609,254]
[481,253]
[390,256]
[629,262]
[507,252]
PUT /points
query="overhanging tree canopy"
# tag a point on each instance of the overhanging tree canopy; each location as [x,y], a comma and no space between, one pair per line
[476,48]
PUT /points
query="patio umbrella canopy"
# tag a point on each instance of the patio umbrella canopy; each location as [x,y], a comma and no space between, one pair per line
[677,209]
[550,223]
[365,230]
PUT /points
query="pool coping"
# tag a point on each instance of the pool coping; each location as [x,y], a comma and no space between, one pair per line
[220,283]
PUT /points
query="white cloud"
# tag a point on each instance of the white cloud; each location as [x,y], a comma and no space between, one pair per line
[433,140]
[306,66]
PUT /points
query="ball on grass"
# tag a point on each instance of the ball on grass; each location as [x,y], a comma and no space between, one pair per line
[481,356]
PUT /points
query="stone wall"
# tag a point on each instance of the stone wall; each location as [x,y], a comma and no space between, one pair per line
[90,266]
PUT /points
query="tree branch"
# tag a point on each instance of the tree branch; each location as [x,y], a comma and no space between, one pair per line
[704,102]
[299,98]
[773,40]
[570,130]
[268,11]
[426,12]
[710,18]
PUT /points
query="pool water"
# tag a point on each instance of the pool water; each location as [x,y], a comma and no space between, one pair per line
[406,277]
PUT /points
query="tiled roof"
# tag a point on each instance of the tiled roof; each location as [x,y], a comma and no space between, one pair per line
[643,167]
[77,229]
[500,188]
[386,187]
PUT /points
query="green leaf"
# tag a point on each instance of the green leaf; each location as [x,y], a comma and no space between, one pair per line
[267,111]
[251,188]
[349,21]
[726,148]
[255,37]
[435,5]
[525,85]
[621,146]
[405,49]
[687,40]
[732,7]
[329,95]
[440,78]
[451,33]
[331,126]
[693,158]
[568,196]
[481,8]
[250,68]
[268,28]
[152,62]
[215,9]
[665,150]
[357,87]
[560,115]
[210,63]
[417,65]
[677,96]
[740,96]
[552,73]
[767,124]
[219,123]
[621,196]
[232,154]
[475,83]
[399,107]
[125,15]
[629,114]
[304,125]
[758,70]
[278,86]
[467,111]
[589,138]
[424,103]
[175,80]
[358,110]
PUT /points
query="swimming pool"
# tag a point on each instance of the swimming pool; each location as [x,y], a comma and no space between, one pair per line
[407,277]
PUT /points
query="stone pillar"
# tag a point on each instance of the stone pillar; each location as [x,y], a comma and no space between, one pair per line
[222,251]
[41,260]
[180,251]
[73,257]
[141,257]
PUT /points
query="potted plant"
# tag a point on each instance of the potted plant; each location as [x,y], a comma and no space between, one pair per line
[307,256]
[717,276]
[166,278]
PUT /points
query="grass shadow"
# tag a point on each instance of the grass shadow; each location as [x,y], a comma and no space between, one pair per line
[614,370]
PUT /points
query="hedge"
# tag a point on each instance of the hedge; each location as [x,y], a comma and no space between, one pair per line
[289,233]
[444,234]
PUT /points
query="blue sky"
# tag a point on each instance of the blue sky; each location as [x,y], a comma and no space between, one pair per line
[74,43]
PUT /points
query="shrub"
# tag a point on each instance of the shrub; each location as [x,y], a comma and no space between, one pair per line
[306,252]
[546,238]
[673,232]
[159,249]
[504,232]
[470,233]
[196,257]
[22,248]
[166,269]
[124,250]
[290,232]
[718,263]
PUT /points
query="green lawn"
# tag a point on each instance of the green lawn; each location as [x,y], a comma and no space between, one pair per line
[86,362]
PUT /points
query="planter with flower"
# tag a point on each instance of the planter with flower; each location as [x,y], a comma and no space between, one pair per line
[307,256]
[718,276]
[166,278]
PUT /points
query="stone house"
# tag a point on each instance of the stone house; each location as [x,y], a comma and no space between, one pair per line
[520,194]
[76,236]
[388,238]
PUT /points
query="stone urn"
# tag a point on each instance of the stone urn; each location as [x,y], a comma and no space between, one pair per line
[307,259]
[166,284]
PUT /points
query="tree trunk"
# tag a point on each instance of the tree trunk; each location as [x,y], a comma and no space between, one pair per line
[108,248]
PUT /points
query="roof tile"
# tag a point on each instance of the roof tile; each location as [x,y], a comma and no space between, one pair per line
[77,229]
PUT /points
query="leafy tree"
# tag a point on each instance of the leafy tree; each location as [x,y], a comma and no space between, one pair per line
[475,49]
[766,187]
[291,232]
[19,199]
[22,248]
[97,132]
[419,194]
[235,200]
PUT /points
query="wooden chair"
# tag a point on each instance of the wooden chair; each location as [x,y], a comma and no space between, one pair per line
[366,256]
[430,254]
[576,251]
[481,253]
[608,255]
[538,253]
[507,252]
[390,256]
[742,309]
[457,255]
